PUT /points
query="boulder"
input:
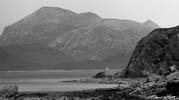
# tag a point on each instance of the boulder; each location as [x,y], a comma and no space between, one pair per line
[173,76]
[8,91]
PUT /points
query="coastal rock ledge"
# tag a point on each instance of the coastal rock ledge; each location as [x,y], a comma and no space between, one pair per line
[154,54]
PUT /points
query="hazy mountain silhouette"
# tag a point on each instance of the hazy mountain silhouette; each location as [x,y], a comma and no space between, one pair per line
[150,24]
[56,38]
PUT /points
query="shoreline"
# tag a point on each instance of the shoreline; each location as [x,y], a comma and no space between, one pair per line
[60,70]
[154,88]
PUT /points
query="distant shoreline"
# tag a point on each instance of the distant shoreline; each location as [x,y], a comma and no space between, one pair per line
[58,70]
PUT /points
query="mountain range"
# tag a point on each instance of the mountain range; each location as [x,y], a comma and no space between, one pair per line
[56,38]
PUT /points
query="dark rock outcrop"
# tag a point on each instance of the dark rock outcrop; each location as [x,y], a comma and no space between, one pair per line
[155,53]
[100,75]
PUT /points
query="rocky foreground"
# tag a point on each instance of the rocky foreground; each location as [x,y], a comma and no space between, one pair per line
[150,88]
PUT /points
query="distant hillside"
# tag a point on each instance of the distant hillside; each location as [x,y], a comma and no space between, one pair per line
[150,24]
[57,38]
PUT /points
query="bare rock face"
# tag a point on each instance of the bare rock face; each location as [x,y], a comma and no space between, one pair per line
[155,53]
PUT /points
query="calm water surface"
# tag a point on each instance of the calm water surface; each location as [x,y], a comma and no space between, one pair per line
[51,80]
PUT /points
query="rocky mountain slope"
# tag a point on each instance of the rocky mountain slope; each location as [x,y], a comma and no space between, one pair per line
[155,53]
[80,38]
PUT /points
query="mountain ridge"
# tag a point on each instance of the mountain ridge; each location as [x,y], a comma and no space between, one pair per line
[86,37]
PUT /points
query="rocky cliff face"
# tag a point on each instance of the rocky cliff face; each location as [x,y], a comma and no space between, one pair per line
[154,53]
[84,37]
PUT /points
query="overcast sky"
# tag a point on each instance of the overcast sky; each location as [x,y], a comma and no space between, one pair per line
[164,12]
